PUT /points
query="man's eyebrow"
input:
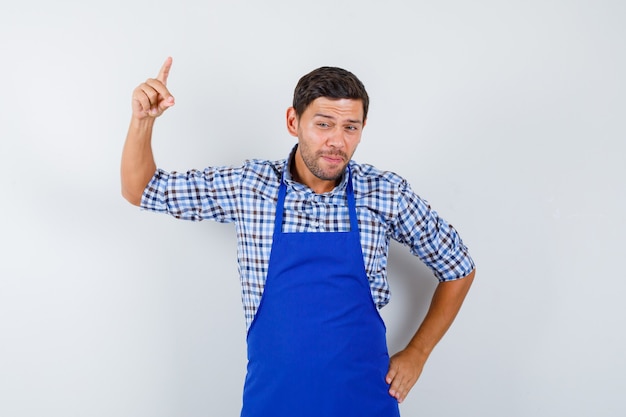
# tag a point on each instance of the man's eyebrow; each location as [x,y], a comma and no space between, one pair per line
[326,116]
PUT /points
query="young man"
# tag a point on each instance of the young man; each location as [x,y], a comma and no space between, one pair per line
[313,234]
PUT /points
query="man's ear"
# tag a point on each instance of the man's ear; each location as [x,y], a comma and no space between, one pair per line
[292,122]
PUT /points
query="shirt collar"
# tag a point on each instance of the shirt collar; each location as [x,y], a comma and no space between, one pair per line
[297,186]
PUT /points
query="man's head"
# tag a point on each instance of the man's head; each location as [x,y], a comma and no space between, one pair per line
[328,116]
[329,82]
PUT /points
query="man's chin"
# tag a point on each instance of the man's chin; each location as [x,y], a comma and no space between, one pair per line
[331,175]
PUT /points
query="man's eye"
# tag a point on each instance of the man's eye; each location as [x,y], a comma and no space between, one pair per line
[322,124]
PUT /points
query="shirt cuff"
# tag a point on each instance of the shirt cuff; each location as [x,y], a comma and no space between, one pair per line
[153,197]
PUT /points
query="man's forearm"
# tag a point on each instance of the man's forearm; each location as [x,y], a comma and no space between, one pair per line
[445,305]
[405,367]
[138,164]
[150,100]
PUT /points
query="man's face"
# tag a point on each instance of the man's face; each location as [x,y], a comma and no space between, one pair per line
[328,132]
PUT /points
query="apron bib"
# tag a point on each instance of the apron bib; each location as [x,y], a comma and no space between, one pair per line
[317,345]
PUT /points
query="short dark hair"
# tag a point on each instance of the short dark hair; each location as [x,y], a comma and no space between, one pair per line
[330,82]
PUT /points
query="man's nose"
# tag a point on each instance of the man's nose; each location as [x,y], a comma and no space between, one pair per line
[335,138]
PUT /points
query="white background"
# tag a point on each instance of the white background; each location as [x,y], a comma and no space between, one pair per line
[508,116]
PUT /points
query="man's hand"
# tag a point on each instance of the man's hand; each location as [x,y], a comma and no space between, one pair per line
[405,367]
[152,98]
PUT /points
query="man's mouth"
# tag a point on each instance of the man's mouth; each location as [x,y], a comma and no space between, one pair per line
[334,158]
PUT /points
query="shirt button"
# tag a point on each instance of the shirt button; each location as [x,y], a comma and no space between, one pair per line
[315,224]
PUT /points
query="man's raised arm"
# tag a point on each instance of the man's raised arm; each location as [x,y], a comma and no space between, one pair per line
[150,100]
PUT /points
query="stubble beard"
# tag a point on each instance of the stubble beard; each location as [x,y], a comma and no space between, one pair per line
[312,162]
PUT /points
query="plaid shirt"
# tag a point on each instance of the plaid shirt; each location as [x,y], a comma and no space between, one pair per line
[386,207]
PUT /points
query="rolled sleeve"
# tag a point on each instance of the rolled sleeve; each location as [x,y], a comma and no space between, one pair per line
[153,198]
[431,238]
[194,195]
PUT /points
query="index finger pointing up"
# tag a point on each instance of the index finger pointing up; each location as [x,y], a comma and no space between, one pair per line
[164,72]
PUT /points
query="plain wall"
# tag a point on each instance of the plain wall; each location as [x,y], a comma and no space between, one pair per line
[507,116]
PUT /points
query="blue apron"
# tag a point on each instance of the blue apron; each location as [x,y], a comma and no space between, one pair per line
[317,345]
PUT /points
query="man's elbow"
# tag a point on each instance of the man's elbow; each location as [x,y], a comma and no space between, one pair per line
[133,198]
[469,278]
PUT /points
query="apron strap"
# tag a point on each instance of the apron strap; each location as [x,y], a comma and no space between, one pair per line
[354,224]
[280,206]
